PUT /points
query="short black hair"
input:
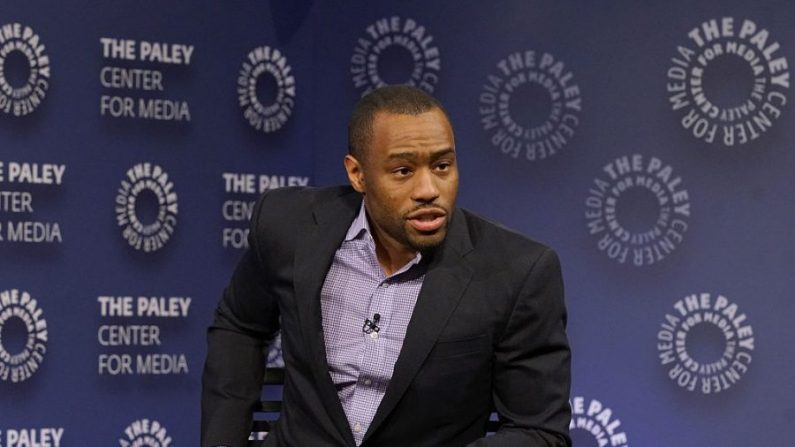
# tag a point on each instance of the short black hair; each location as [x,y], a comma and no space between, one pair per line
[399,99]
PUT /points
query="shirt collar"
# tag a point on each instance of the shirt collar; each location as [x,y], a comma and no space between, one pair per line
[360,229]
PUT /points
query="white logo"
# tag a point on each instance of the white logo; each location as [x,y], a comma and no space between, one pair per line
[595,421]
[153,179]
[145,433]
[381,45]
[504,95]
[722,370]
[625,232]
[32,437]
[21,100]
[260,62]
[754,108]
[20,366]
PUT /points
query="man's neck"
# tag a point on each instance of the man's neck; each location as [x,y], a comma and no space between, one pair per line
[391,259]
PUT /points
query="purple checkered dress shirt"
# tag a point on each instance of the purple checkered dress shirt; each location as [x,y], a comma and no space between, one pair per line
[356,289]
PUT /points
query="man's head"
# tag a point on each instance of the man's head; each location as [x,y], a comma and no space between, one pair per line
[395,99]
[402,159]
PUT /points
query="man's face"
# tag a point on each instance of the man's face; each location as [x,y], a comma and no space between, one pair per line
[409,179]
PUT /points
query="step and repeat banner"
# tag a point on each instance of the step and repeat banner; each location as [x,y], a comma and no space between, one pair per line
[649,143]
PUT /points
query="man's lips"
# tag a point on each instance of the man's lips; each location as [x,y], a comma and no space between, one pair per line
[427,220]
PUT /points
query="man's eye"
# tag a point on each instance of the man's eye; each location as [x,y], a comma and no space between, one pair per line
[443,166]
[402,171]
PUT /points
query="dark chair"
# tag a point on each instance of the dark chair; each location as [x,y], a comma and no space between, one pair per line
[493,424]
[269,410]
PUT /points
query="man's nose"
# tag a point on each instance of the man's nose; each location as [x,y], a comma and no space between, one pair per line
[425,188]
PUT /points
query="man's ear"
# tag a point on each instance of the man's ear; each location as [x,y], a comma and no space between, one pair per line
[355,173]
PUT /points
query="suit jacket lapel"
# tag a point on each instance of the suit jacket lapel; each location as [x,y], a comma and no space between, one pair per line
[446,280]
[313,257]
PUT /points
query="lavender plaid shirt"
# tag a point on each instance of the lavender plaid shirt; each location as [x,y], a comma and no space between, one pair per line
[356,289]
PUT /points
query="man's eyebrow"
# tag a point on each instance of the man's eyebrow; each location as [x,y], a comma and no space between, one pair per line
[412,155]
[435,155]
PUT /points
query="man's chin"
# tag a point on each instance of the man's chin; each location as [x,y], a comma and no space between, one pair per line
[426,242]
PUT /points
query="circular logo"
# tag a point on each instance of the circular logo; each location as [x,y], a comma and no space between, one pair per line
[20,365]
[729,83]
[593,424]
[395,50]
[637,211]
[266,89]
[146,181]
[530,106]
[145,433]
[22,97]
[684,349]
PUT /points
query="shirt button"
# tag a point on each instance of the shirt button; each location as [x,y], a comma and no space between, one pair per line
[357,428]
[374,335]
[368,382]
[384,285]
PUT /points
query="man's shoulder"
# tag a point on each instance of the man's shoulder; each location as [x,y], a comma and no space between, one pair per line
[491,237]
[306,194]
[297,199]
[282,215]
[291,205]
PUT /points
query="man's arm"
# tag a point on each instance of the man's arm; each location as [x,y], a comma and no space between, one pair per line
[532,364]
[246,319]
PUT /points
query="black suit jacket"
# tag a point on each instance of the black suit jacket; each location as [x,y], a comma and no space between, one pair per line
[488,327]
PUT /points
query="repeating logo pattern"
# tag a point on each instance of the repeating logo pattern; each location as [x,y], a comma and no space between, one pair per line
[632,234]
[146,236]
[395,50]
[504,105]
[727,84]
[20,366]
[592,423]
[261,64]
[19,100]
[722,368]
[728,118]
[145,433]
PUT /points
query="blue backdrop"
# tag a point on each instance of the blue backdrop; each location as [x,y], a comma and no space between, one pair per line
[649,143]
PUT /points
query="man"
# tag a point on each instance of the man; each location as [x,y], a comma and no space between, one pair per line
[403,318]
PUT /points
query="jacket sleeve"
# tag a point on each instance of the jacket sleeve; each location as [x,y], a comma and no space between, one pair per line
[245,321]
[532,364]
